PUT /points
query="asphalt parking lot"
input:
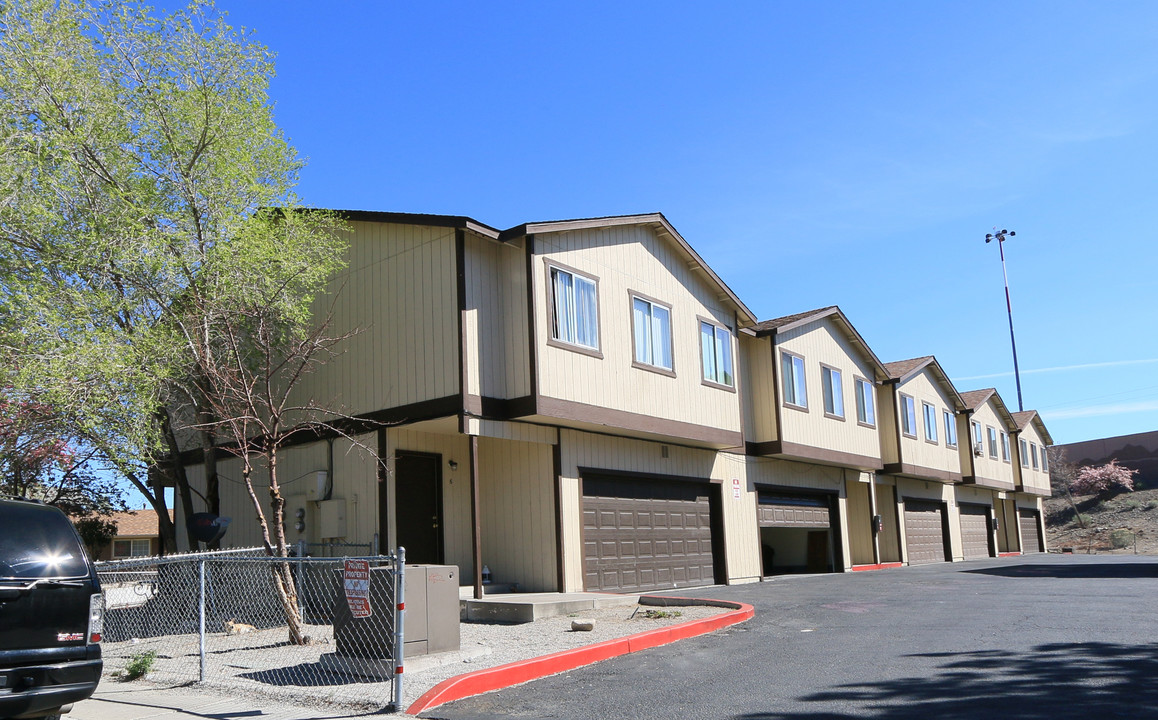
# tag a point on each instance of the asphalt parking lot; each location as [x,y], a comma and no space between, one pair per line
[1042,636]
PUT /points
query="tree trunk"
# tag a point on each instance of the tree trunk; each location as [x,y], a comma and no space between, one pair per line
[212,491]
[176,471]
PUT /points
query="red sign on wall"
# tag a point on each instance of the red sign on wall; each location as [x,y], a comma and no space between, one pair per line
[356,579]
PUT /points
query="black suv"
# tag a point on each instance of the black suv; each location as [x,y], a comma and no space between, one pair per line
[51,613]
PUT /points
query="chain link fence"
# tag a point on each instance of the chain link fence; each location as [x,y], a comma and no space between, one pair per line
[291,627]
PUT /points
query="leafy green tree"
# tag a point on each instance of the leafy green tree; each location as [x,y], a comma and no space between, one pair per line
[138,155]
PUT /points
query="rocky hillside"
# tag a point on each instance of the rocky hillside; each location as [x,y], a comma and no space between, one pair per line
[1117,525]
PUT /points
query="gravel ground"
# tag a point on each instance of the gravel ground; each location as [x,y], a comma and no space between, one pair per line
[261,663]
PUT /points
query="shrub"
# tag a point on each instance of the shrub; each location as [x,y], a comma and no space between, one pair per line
[140,664]
[1121,539]
[1132,504]
[1085,520]
[1151,504]
[1104,480]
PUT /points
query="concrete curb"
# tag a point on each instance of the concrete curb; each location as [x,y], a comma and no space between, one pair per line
[503,676]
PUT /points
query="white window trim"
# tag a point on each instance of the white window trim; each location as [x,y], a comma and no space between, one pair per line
[1024,452]
[929,418]
[950,428]
[1005,455]
[828,371]
[991,436]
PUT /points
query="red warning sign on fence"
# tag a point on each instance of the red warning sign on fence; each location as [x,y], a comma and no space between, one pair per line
[356,579]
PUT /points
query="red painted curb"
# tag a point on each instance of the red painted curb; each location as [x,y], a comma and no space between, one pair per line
[1009,554]
[879,566]
[496,678]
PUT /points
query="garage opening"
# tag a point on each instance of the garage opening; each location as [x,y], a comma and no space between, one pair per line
[1030,532]
[641,535]
[796,533]
[975,536]
[925,532]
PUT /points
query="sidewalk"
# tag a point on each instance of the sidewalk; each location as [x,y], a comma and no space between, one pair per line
[128,701]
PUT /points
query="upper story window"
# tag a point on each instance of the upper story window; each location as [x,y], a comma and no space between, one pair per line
[865,403]
[1044,462]
[1004,446]
[1024,454]
[716,352]
[651,327]
[833,387]
[950,428]
[930,416]
[908,416]
[574,309]
[1033,454]
[976,436]
[992,441]
[792,372]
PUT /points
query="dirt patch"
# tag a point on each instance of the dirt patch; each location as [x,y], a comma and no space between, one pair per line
[1123,524]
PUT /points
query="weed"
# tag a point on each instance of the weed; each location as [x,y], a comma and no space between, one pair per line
[1121,539]
[1133,504]
[140,664]
[1085,520]
[1151,504]
[661,614]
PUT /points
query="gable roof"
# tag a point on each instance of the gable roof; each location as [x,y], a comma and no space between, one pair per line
[902,370]
[770,328]
[1026,418]
[137,523]
[425,219]
[976,398]
[664,230]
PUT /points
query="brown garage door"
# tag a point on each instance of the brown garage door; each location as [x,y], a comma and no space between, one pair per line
[924,532]
[975,530]
[1030,540]
[801,511]
[643,535]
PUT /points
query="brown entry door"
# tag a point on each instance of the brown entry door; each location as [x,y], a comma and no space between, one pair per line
[1030,539]
[418,506]
[924,532]
[974,531]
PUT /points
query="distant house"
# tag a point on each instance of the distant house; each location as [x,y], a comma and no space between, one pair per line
[137,536]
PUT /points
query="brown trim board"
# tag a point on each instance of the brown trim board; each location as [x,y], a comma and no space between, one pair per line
[806,452]
[987,482]
[662,477]
[922,472]
[582,412]
[557,466]
[532,330]
[460,289]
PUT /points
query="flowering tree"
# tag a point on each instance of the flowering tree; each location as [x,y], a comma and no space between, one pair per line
[1104,480]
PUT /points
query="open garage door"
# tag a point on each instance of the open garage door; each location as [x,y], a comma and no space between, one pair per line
[975,530]
[1030,537]
[924,531]
[796,533]
[643,535]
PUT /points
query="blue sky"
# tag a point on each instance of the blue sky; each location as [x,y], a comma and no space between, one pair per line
[814,154]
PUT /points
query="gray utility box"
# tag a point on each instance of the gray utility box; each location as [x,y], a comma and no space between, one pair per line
[431,622]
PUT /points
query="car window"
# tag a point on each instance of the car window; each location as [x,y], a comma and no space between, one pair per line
[38,542]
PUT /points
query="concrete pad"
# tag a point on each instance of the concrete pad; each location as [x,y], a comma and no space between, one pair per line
[528,607]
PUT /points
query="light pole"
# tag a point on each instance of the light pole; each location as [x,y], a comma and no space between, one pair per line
[1000,238]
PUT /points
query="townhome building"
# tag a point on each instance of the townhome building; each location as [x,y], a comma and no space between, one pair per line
[987,462]
[920,448]
[586,405]
[1031,478]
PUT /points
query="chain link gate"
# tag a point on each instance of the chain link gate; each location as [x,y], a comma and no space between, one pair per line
[247,622]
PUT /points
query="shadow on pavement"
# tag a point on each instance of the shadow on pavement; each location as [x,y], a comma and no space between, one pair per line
[1060,680]
[1108,571]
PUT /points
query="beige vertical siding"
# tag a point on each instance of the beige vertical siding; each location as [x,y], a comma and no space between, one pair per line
[759,393]
[986,466]
[887,501]
[917,451]
[887,423]
[1033,480]
[860,538]
[356,480]
[496,347]
[633,258]
[821,342]
[517,513]
[399,294]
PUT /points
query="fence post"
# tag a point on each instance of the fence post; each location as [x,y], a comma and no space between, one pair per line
[201,616]
[374,545]
[399,618]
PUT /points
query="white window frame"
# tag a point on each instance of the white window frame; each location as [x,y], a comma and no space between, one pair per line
[652,335]
[1004,446]
[978,436]
[950,428]
[1044,462]
[929,415]
[1024,453]
[991,434]
[908,416]
[832,391]
[866,402]
[1033,454]
[565,312]
[722,374]
[795,385]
